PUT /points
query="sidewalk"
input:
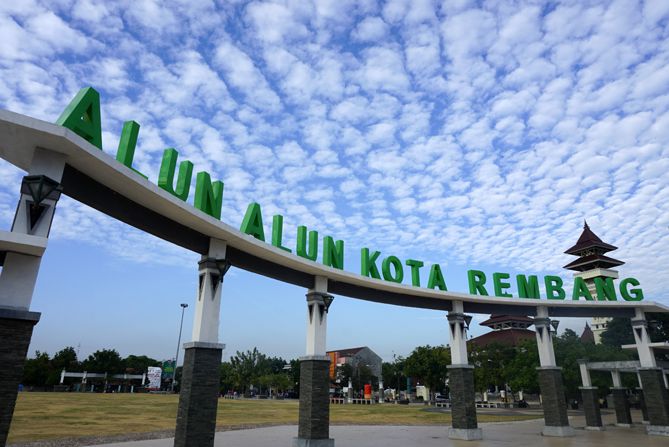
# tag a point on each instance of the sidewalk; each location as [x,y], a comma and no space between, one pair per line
[526,433]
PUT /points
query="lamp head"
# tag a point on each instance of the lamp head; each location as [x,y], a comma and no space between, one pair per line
[184,305]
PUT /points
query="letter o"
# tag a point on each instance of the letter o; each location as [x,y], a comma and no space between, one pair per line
[399,270]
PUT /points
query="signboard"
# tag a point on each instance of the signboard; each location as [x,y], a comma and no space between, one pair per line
[154,375]
[82,116]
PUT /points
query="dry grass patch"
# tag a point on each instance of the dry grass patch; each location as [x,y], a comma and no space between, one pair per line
[42,416]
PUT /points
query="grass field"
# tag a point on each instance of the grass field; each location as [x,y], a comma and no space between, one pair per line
[41,416]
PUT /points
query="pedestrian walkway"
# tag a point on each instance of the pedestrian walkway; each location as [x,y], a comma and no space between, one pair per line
[502,434]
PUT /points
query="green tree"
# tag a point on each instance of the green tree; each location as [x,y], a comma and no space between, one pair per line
[66,359]
[247,367]
[104,361]
[429,365]
[37,370]
[139,364]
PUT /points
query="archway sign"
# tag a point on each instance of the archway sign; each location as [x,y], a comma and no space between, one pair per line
[66,157]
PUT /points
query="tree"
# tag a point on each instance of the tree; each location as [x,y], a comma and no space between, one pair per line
[36,371]
[393,374]
[492,365]
[429,365]
[618,331]
[139,364]
[104,361]
[247,367]
[66,359]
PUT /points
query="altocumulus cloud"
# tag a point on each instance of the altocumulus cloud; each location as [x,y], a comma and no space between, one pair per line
[460,133]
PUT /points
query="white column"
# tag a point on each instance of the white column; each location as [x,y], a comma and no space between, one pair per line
[615,376]
[318,303]
[585,374]
[380,391]
[19,272]
[208,304]
[544,337]
[458,332]
[640,330]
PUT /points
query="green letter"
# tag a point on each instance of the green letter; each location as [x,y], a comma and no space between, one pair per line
[436,278]
[605,289]
[301,248]
[580,290]
[553,285]
[528,287]
[500,285]
[368,264]
[333,253]
[277,232]
[631,294]
[166,175]
[127,144]
[252,223]
[415,274]
[399,271]
[476,282]
[208,197]
[82,116]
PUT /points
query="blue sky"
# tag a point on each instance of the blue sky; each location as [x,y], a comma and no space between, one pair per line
[469,134]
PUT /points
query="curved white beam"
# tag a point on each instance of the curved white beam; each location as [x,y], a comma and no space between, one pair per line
[20,135]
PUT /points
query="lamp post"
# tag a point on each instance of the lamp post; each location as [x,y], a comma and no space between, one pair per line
[176,360]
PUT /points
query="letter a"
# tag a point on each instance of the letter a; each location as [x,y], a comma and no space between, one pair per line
[82,116]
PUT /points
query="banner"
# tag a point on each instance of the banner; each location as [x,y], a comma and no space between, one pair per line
[154,375]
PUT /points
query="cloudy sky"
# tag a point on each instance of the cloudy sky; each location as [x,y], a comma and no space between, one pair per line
[475,134]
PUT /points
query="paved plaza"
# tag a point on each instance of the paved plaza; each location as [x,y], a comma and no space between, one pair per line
[525,433]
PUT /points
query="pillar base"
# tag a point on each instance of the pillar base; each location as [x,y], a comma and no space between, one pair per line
[642,404]
[656,396]
[593,415]
[594,428]
[553,402]
[465,434]
[657,430]
[463,406]
[303,442]
[314,413]
[16,330]
[198,398]
[563,432]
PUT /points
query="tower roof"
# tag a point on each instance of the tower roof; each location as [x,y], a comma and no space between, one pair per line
[593,261]
[589,240]
[495,319]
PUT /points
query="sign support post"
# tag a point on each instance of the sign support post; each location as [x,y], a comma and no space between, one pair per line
[550,379]
[40,191]
[314,413]
[198,397]
[461,379]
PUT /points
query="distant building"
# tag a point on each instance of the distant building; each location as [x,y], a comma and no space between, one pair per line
[587,336]
[507,330]
[355,357]
[599,325]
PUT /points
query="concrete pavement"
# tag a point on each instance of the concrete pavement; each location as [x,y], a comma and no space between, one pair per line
[525,433]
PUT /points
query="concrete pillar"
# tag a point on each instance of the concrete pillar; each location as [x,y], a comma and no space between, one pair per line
[314,414]
[590,397]
[198,396]
[652,381]
[550,380]
[40,191]
[642,404]
[381,391]
[461,379]
[621,405]
[593,415]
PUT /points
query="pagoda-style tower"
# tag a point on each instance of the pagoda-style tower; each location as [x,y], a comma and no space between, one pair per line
[590,250]
[592,263]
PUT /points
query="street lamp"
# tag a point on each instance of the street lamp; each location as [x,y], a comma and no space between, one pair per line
[176,360]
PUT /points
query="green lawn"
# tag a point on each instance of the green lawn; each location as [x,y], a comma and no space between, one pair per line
[40,416]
